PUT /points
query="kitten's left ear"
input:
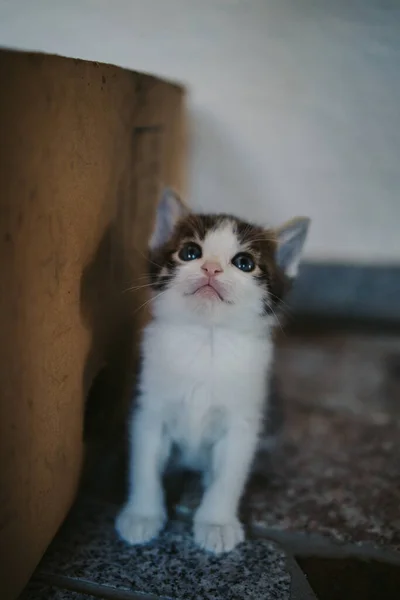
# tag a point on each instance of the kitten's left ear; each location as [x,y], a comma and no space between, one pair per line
[169,210]
[290,241]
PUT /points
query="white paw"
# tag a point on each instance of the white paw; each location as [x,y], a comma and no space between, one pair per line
[218,538]
[138,529]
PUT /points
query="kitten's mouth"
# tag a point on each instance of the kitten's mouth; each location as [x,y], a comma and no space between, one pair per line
[207,291]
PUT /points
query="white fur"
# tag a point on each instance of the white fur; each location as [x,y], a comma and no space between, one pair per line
[203,387]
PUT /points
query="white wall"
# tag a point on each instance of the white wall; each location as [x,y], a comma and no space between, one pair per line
[295,104]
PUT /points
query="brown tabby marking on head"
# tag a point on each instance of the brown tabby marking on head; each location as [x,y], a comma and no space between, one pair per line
[258,242]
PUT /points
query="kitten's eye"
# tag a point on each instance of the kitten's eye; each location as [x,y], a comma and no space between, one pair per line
[190,251]
[244,262]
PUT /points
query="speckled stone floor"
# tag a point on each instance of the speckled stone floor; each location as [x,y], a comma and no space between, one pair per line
[339,472]
[171,567]
[336,475]
[47,592]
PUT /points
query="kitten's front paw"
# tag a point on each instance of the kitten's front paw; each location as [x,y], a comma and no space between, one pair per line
[138,529]
[218,538]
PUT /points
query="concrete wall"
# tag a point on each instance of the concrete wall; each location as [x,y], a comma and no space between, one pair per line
[295,104]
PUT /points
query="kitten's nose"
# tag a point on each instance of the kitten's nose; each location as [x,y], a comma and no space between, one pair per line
[212,268]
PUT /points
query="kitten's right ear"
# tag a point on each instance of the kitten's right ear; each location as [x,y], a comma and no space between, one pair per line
[170,209]
[291,238]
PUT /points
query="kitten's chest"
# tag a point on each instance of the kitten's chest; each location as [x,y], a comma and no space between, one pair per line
[194,420]
[186,357]
[202,368]
[191,387]
[197,379]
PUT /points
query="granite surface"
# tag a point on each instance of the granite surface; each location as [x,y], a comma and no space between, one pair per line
[45,592]
[338,478]
[87,548]
[339,471]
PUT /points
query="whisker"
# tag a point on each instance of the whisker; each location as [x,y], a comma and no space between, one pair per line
[134,288]
[277,319]
[139,277]
[144,285]
[265,239]
[148,301]
[151,299]
[146,257]
[281,302]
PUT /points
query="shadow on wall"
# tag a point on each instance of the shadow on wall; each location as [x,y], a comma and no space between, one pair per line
[108,368]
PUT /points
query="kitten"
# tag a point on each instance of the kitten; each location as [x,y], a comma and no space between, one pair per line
[207,355]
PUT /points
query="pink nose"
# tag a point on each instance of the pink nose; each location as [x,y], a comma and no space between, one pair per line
[212,268]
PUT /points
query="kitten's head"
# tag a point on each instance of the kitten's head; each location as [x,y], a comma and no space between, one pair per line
[217,269]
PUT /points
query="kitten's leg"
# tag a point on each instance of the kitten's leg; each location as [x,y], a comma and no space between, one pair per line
[144,514]
[216,524]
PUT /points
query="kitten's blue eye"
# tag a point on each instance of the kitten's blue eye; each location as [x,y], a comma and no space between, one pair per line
[244,262]
[190,251]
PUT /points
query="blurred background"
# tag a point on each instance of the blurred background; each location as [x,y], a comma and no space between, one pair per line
[294,104]
[294,109]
